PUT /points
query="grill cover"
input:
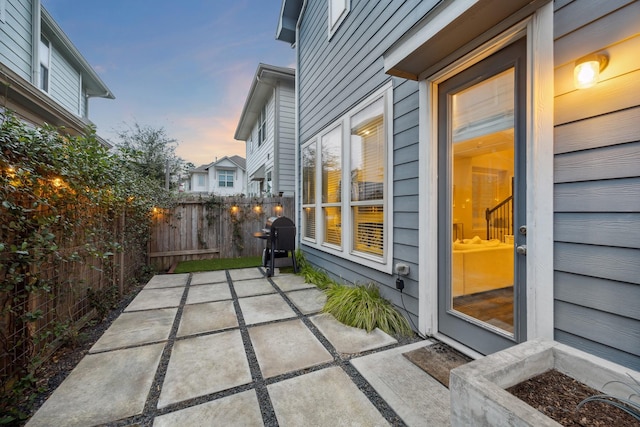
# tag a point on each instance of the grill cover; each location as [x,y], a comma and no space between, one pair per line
[278,221]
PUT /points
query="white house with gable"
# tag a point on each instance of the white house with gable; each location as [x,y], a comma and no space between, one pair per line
[224,177]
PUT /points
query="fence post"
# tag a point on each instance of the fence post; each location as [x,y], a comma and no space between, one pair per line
[122,252]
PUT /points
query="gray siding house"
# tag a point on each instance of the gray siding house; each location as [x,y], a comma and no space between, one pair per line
[43,77]
[485,155]
[267,126]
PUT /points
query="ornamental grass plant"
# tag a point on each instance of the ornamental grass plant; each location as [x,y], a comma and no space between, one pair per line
[363,307]
[359,306]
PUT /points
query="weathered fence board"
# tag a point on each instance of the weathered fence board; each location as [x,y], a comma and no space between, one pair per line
[219,227]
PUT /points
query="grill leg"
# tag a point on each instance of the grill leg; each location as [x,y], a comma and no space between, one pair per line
[271,263]
[293,258]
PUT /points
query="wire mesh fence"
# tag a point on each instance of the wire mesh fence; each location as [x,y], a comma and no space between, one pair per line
[58,292]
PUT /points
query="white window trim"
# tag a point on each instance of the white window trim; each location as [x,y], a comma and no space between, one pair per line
[320,226]
[3,11]
[314,205]
[333,28]
[346,251]
[262,120]
[226,172]
[539,32]
[48,65]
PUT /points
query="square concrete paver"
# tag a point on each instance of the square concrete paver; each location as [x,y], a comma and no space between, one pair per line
[413,394]
[209,277]
[204,365]
[247,288]
[135,328]
[167,281]
[291,282]
[207,317]
[103,387]
[286,347]
[308,300]
[240,410]
[208,293]
[156,298]
[265,308]
[326,397]
[350,340]
[245,273]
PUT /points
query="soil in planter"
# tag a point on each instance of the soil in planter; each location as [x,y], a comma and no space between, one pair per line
[557,396]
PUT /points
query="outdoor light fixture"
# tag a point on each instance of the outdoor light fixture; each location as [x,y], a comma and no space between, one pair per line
[234,209]
[258,208]
[587,70]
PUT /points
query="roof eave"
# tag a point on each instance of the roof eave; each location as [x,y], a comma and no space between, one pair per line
[287,20]
[257,93]
[91,80]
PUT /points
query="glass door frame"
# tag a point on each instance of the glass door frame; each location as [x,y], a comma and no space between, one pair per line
[479,335]
[540,87]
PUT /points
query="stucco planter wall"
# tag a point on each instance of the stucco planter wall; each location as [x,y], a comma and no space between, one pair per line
[477,389]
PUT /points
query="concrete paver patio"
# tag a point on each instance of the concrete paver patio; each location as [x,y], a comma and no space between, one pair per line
[234,348]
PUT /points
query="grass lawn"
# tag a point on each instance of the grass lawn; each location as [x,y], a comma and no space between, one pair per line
[217,264]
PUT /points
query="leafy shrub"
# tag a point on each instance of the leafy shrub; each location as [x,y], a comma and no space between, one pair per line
[67,204]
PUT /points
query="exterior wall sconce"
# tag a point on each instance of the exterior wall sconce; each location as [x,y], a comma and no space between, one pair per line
[279,209]
[587,70]
[258,208]
[234,209]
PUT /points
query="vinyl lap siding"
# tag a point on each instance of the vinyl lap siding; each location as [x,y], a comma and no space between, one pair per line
[597,182]
[286,139]
[64,83]
[336,75]
[262,155]
[15,38]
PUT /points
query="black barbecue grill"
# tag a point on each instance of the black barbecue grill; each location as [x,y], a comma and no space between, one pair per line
[280,234]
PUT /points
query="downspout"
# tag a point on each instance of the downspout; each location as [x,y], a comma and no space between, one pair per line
[276,139]
[36,30]
[297,193]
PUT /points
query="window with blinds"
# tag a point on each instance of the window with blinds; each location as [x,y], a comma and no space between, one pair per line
[345,185]
[367,178]
[308,165]
[331,164]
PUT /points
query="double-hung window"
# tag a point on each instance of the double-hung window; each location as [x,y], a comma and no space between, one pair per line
[338,11]
[44,55]
[262,126]
[225,178]
[309,192]
[331,164]
[346,173]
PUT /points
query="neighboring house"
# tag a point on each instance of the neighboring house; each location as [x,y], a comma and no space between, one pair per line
[446,144]
[43,77]
[267,126]
[224,177]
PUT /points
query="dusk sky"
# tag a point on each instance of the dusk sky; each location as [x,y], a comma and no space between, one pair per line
[185,66]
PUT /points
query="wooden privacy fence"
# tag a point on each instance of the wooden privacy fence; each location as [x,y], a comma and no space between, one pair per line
[219,227]
[84,275]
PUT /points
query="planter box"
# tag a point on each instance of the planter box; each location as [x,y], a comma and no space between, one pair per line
[477,389]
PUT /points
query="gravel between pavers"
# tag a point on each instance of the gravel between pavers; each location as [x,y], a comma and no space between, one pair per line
[66,359]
